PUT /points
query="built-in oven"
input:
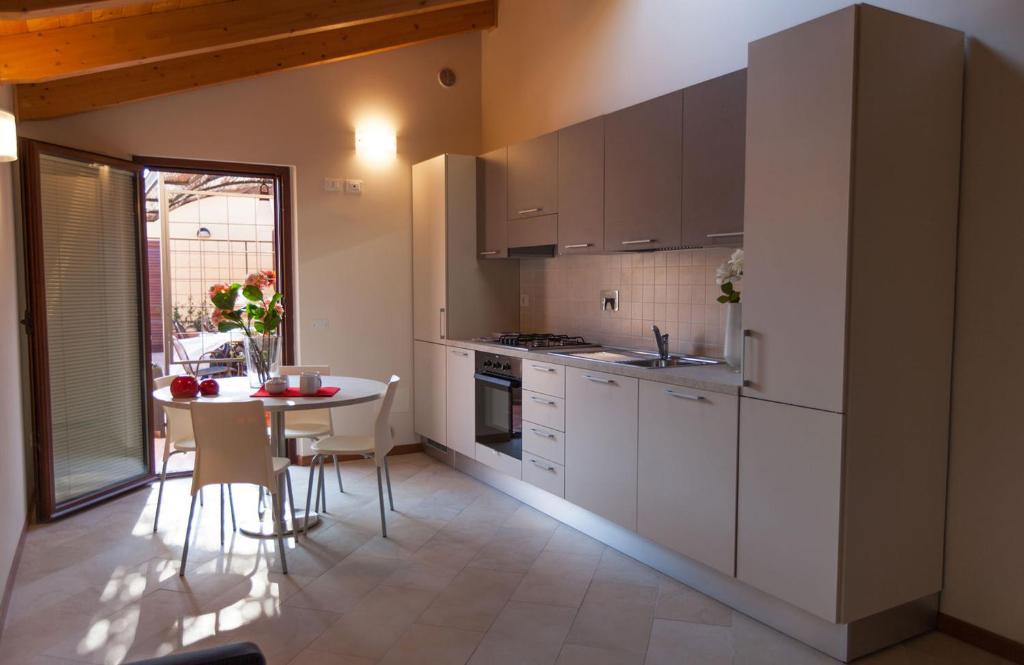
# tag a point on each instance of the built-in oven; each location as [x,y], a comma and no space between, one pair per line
[499,403]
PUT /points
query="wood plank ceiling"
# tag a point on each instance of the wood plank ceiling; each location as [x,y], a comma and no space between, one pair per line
[72,57]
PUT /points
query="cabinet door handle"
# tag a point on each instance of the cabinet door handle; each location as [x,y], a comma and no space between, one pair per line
[644,241]
[539,400]
[540,432]
[580,245]
[464,354]
[440,320]
[528,211]
[747,334]
[597,379]
[541,368]
[692,398]
[490,252]
[731,234]
[545,467]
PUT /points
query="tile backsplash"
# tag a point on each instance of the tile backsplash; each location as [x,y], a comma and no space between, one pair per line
[675,290]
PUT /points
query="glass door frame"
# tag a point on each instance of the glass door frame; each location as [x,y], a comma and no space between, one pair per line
[35,323]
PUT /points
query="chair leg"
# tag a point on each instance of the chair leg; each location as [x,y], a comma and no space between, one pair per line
[291,504]
[201,504]
[380,495]
[222,515]
[160,494]
[309,493]
[275,514]
[260,508]
[337,470]
[231,502]
[323,491]
[188,535]
[387,477]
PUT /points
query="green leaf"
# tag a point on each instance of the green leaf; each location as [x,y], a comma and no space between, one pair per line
[253,293]
[723,299]
[225,326]
[258,327]
[727,288]
[225,299]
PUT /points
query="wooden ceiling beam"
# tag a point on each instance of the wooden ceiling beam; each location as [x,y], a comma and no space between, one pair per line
[94,91]
[25,9]
[87,47]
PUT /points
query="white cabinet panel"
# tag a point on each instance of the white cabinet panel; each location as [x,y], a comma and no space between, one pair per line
[600,444]
[429,387]
[544,441]
[687,472]
[460,401]
[499,461]
[429,256]
[790,476]
[544,473]
[544,378]
[544,410]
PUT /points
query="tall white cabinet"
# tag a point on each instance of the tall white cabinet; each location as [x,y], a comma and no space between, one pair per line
[853,136]
[455,295]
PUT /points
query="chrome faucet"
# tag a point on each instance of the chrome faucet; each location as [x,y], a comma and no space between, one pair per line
[662,341]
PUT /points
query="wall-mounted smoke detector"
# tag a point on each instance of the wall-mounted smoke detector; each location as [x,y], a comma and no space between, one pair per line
[446,77]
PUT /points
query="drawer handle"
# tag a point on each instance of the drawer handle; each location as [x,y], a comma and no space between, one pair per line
[540,400]
[490,252]
[545,467]
[692,398]
[644,241]
[528,211]
[540,432]
[581,245]
[541,368]
[464,354]
[597,379]
[731,234]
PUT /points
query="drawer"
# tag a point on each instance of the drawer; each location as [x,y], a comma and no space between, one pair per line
[499,461]
[544,441]
[533,231]
[544,473]
[544,410]
[544,378]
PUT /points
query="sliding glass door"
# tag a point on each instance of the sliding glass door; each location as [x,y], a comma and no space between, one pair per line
[85,269]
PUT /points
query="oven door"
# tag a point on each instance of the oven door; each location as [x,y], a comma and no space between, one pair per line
[499,413]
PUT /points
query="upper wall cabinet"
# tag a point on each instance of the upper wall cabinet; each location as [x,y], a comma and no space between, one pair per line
[533,177]
[643,174]
[581,188]
[714,138]
[492,236]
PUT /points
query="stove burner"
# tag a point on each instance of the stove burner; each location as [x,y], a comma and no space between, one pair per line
[539,340]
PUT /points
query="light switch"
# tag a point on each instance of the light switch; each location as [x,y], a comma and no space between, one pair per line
[354,187]
[332,184]
[321,324]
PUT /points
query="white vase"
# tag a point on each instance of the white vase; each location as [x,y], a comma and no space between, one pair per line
[733,334]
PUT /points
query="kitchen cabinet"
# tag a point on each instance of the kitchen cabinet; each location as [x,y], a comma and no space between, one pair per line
[533,231]
[643,155]
[429,391]
[601,444]
[533,177]
[544,410]
[581,188]
[828,223]
[492,235]
[543,473]
[687,447]
[506,464]
[460,401]
[714,146]
[790,481]
[546,378]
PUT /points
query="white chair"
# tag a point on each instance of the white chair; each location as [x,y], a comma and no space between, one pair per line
[178,438]
[375,446]
[233,447]
[313,424]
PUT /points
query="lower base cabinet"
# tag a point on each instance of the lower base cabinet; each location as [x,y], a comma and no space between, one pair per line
[543,473]
[686,498]
[429,388]
[790,478]
[600,444]
[506,464]
[460,402]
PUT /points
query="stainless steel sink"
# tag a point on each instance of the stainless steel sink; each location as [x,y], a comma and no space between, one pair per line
[636,358]
[671,361]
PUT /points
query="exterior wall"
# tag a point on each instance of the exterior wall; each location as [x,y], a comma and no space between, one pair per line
[550,64]
[353,253]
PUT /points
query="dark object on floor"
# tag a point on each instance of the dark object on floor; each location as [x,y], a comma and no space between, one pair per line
[240,653]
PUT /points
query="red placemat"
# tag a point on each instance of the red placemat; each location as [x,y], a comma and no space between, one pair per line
[325,391]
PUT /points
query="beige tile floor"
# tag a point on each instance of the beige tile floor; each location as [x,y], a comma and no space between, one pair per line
[469,575]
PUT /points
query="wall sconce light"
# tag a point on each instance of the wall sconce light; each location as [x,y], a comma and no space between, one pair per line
[376,142]
[8,137]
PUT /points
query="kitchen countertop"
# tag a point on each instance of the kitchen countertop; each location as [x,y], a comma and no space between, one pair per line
[712,378]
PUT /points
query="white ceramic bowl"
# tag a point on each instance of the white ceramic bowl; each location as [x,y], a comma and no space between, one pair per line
[276,385]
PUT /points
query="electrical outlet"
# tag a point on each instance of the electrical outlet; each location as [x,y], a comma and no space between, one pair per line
[524,300]
[354,187]
[332,184]
[321,324]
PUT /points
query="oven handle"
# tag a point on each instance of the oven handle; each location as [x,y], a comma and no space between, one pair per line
[509,384]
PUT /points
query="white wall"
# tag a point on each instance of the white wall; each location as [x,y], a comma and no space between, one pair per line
[353,253]
[12,442]
[549,64]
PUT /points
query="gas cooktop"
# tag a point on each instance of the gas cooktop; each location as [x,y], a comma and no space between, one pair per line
[530,341]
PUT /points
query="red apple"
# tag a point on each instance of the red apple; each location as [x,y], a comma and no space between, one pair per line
[209,388]
[184,386]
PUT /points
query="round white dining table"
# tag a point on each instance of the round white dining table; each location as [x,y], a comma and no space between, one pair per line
[352,390]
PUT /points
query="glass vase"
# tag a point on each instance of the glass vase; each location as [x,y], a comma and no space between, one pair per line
[734,334]
[262,358]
